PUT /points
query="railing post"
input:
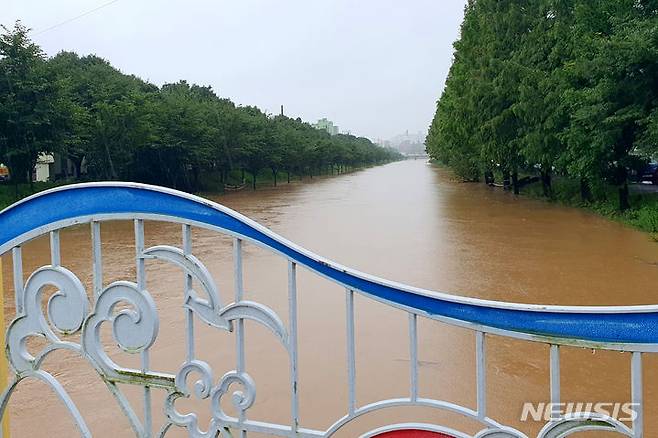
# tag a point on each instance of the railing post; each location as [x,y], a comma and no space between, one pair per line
[481,373]
[17,258]
[636,394]
[555,381]
[351,353]
[55,252]
[189,314]
[239,327]
[413,356]
[4,366]
[145,359]
[97,258]
[292,316]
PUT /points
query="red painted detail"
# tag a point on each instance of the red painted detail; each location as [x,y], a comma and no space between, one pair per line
[412,434]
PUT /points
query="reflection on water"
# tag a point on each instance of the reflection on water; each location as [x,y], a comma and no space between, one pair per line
[408,222]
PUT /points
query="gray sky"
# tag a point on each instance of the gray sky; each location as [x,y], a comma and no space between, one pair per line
[374,67]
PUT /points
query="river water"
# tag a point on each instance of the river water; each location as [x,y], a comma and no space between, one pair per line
[409,222]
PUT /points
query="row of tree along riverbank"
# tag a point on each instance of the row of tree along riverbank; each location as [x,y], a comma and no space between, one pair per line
[552,88]
[114,126]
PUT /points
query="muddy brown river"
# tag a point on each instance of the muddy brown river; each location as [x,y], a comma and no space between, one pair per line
[409,222]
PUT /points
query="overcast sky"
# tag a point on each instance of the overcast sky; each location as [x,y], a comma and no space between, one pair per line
[374,67]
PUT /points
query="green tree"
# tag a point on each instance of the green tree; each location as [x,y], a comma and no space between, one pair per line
[31,108]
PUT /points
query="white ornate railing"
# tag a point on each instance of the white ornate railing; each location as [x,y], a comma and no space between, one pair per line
[131,311]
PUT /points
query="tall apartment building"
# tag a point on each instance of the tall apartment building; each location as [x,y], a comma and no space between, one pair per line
[326,125]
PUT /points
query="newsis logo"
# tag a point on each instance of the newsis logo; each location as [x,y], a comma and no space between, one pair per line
[546,411]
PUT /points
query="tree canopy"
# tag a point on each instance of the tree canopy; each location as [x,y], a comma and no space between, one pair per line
[566,87]
[122,127]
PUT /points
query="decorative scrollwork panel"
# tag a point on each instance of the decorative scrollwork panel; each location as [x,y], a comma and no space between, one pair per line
[66,312]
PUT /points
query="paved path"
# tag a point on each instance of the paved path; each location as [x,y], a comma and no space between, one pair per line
[643,188]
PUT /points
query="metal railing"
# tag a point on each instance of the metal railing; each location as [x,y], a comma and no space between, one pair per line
[130,310]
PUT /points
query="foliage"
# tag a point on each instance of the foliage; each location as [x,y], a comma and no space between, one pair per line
[643,213]
[553,87]
[111,125]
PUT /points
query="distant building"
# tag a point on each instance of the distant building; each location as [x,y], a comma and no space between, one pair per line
[384,143]
[408,144]
[42,168]
[51,167]
[326,125]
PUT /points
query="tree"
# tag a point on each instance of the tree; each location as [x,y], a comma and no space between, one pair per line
[125,128]
[30,106]
[551,85]
[252,138]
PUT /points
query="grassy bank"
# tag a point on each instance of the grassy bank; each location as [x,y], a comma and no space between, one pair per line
[10,193]
[642,215]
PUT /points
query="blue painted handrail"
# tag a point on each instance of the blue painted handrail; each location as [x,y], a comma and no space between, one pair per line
[82,203]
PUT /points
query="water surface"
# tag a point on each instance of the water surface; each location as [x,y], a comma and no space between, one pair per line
[408,222]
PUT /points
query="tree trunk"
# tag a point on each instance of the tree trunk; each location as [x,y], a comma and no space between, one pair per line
[274,173]
[621,180]
[113,173]
[195,179]
[33,165]
[585,190]
[506,180]
[515,182]
[14,178]
[288,173]
[624,203]
[546,183]
[65,167]
[253,180]
[489,178]
[78,167]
